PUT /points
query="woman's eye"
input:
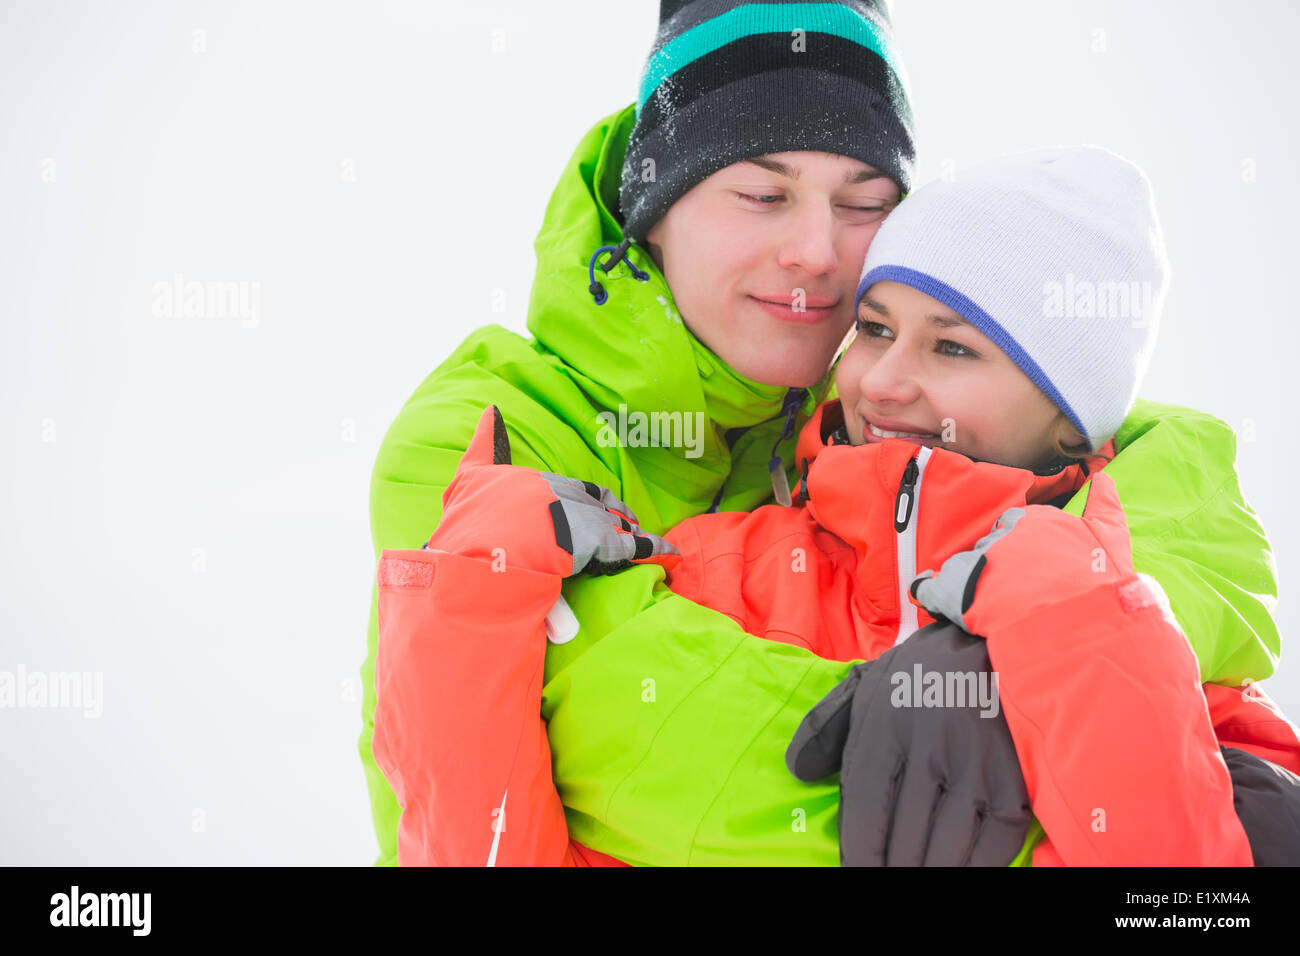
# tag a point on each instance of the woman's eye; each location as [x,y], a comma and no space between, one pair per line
[867,328]
[961,352]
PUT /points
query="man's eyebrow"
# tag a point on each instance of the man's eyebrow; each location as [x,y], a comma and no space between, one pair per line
[943,321]
[863,174]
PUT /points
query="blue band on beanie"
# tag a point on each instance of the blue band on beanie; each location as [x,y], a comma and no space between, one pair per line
[972,313]
[701,40]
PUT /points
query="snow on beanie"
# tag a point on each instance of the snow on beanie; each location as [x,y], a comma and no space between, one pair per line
[1054,254]
[727,81]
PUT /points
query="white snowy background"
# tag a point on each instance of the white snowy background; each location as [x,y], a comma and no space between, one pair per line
[185,500]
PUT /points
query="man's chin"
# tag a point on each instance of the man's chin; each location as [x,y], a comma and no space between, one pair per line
[785,360]
[780,371]
[790,360]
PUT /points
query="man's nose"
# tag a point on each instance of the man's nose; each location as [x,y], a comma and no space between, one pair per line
[810,243]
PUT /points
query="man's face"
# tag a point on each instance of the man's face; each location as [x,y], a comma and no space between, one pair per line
[917,366]
[763,259]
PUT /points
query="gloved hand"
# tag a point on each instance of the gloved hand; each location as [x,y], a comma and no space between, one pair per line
[537,520]
[919,785]
[1036,557]
[1267,800]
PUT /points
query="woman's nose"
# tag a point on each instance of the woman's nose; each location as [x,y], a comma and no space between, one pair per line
[810,243]
[890,380]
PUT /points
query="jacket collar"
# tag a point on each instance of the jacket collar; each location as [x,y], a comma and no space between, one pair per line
[851,490]
[825,428]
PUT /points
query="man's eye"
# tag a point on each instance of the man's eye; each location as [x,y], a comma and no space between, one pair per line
[863,215]
[760,200]
[873,208]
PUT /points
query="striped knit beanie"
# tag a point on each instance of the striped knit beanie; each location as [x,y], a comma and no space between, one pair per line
[1057,256]
[727,81]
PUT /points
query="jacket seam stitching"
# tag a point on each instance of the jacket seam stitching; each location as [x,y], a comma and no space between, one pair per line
[1173,525]
[798,641]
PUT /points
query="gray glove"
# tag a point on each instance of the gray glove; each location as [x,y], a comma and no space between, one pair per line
[919,786]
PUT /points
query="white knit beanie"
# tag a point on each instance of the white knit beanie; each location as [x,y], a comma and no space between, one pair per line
[1054,254]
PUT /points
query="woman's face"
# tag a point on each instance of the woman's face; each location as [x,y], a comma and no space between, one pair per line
[763,259]
[917,366]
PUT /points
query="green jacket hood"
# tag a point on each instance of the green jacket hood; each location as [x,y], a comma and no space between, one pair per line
[633,350]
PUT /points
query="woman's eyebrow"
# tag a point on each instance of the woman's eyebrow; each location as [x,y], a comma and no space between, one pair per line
[943,321]
[874,306]
[863,174]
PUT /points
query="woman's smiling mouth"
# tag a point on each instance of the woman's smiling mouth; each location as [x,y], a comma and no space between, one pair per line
[875,433]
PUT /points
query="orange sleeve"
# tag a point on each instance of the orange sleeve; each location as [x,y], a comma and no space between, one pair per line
[1103,699]
[458,728]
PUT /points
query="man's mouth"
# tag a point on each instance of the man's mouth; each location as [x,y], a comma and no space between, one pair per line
[810,311]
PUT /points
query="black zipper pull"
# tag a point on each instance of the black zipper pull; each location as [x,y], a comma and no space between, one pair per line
[803,494]
[906,496]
